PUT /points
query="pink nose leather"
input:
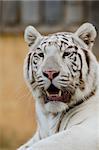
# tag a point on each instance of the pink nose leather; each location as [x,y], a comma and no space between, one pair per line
[50,74]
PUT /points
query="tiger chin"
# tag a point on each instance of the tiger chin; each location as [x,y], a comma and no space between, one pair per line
[62,73]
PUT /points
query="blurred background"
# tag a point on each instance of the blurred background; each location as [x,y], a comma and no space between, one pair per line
[17,112]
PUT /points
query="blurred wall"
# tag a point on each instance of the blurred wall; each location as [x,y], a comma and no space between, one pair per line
[21,13]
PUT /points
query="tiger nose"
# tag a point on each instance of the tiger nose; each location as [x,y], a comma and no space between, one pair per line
[50,74]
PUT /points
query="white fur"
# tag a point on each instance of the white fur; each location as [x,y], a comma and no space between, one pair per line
[79,127]
[55,107]
[82,129]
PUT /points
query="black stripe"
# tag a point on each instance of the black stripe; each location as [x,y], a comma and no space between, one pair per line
[76,48]
[30,44]
[64,42]
[61,46]
[70,46]
[38,48]
[44,42]
[28,67]
[64,38]
[32,82]
[81,66]
[28,61]
[60,121]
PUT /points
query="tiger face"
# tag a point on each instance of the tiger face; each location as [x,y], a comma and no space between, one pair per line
[58,66]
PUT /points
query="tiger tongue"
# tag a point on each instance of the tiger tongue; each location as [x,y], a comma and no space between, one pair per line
[55,97]
[64,98]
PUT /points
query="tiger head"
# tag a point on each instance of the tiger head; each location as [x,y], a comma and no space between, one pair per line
[60,68]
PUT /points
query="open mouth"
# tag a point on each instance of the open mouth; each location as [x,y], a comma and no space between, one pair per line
[55,94]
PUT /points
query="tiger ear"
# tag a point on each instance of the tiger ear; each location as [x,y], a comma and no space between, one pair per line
[32,36]
[87,33]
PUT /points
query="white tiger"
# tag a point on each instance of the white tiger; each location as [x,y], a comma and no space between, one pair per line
[62,74]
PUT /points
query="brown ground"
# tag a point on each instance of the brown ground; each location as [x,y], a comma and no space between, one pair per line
[17,121]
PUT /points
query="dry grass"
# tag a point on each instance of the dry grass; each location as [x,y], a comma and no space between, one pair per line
[17,121]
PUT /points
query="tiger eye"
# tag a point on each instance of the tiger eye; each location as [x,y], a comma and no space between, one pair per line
[66,54]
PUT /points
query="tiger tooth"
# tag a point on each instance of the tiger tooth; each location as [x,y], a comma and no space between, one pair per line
[47,93]
[60,93]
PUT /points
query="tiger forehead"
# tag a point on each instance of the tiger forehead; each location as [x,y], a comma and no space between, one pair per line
[53,38]
[58,40]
